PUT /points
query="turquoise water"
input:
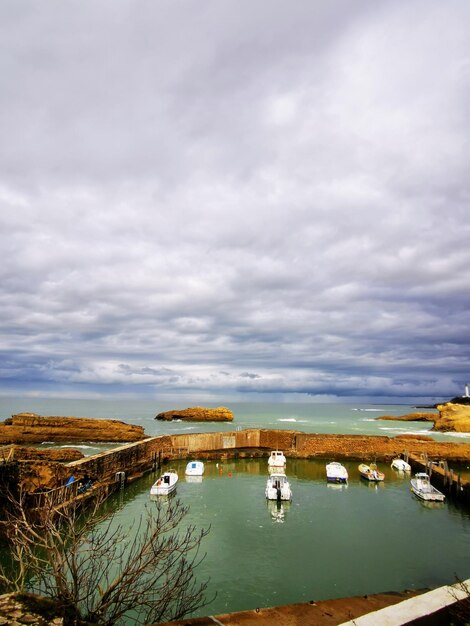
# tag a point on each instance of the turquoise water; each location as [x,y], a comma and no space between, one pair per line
[330,541]
[310,417]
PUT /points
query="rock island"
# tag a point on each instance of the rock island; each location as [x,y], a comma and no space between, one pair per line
[198,414]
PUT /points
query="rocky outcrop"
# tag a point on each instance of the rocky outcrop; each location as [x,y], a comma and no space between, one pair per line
[451,418]
[61,455]
[411,417]
[27,608]
[33,428]
[198,414]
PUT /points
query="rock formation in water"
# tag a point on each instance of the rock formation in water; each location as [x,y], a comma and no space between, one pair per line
[198,414]
[33,428]
[452,417]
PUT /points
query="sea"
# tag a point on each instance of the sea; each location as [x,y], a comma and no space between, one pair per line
[331,541]
[311,417]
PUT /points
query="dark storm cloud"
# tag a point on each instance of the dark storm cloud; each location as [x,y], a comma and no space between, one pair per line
[235,197]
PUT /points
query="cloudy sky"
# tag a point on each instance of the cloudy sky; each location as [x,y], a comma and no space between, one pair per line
[235,198]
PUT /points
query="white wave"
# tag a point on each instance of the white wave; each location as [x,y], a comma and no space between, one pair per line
[292,419]
[367,419]
[458,435]
[403,431]
[83,446]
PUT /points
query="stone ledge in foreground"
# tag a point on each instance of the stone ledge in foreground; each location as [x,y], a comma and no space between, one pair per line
[321,613]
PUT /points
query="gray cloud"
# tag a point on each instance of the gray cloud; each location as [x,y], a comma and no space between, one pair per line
[231,197]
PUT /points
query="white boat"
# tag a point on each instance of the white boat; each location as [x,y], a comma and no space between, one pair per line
[278,487]
[194,468]
[336,473]
[370,472]
[165,485]
[401,465]
[421,486]
[276,459]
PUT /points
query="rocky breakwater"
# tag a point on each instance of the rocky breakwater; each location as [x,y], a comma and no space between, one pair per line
[198,414]
[32,428]
[452,416]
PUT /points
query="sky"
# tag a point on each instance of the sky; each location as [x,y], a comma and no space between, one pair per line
[233,198]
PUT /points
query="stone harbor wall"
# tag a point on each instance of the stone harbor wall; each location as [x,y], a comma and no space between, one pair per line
[132,460]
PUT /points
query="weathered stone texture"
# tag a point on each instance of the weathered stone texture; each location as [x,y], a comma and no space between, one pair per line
[450,418]
[18,609]
[33,428]
[198,414]
[453,417]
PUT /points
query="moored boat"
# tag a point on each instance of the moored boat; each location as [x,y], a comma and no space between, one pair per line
[370,472]
[194,468]
[165,485]
[278,487]
[276,459]
[422,488]
[336,473]
[401,465]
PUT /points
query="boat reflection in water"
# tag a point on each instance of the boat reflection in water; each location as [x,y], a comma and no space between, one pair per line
[337,486]
[431,504]
[278,510]
[193,479]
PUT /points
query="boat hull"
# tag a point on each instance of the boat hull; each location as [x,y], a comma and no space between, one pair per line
[422,488]
[165,485]
[336,473]
[370,473]
[278,488]
[276,459]
[194,468]
[401,465]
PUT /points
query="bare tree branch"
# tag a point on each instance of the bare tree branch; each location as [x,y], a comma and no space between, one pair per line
[101,572]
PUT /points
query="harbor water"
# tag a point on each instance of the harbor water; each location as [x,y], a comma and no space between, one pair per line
[331,541]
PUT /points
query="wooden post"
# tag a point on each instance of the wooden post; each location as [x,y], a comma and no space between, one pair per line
[446,473]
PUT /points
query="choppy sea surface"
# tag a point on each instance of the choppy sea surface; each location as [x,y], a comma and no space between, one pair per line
[330,541]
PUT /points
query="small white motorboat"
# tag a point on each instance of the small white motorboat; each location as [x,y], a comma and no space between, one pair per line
[278,487]
[165,485]
[194,468]
[421,487]
[336,473]
[401,465]
[370,472]
[276,459]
